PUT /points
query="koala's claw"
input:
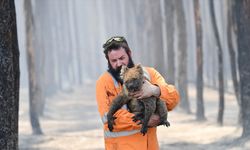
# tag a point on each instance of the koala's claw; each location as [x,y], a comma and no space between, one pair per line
[110,126]
[140,122]
[144,131]
[166,123]
[137,117]
[111,122]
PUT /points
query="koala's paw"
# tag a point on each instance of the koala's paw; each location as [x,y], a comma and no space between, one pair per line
[144,130]
[166,123]
[111,122]
[137,117]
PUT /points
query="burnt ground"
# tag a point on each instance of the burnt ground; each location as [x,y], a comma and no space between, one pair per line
[71,121]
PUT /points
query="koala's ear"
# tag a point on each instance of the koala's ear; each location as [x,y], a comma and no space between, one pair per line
[139,67]
[123,70]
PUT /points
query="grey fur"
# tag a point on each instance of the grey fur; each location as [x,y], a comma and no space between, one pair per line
[143,108]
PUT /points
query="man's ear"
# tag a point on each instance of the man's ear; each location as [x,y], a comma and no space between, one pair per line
[123,70]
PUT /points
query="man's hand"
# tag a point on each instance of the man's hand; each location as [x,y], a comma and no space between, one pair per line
[154,120]
[146,91]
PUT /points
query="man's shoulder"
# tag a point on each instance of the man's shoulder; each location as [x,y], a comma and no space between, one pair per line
[150,70]
[105,79]
[106,76]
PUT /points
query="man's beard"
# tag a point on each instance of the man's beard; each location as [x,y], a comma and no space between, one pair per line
[116,72]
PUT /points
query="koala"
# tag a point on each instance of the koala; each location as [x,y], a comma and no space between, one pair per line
[133,80]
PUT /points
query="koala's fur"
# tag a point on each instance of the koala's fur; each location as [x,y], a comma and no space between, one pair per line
[133,80]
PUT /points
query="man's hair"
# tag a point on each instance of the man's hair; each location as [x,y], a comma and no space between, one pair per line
[115,43]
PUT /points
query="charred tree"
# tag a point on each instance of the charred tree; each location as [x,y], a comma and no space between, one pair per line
[220,65]
[200,112]
[9,76]
[153,28]
[232,54]
[242,10]
[34,86]
[158,42]
[40,50]
[169,13]
[77,42]
[182,56]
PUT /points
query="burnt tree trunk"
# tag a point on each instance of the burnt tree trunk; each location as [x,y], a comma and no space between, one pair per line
[182,55]
[78,49]
[34,87]
[220,65]
[242,10]
[200,115]
[169,12]
[155,32]
[232,55]
[9,76]
[40,52]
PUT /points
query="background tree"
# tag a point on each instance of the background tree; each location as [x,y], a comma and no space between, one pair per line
[242,10]
[233,61]
[34,84]
[182,55]
[200,115]
[220,64]
[170,21]
[9,76]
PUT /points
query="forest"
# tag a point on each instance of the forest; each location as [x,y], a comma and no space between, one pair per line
[51,55]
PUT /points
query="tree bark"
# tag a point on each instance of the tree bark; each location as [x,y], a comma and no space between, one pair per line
[169,12]
[199,55]
[9,76]
[34,87]
[233,62]
[157,41]
[182,55]
[220,65]
[78,50]
[242,10]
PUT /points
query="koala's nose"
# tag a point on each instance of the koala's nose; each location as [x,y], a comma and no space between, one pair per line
[133,87]
[129,86]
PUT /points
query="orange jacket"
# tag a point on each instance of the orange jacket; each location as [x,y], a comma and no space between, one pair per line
[126,134]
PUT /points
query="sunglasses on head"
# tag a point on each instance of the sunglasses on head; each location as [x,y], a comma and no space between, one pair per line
[117,39]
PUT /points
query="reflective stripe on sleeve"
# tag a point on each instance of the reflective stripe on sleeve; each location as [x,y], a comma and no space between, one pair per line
[104,117]
[109,134]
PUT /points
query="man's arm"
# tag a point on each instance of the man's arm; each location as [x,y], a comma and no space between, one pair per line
[147,90]
[168,93]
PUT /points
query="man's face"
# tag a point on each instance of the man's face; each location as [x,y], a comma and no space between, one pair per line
[118,58]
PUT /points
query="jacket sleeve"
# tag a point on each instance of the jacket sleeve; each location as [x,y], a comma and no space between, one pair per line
[168,92]
[124,121]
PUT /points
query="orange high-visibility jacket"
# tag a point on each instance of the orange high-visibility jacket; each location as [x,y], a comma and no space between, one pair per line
[126,133]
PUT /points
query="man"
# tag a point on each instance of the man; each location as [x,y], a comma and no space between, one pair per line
[126,133]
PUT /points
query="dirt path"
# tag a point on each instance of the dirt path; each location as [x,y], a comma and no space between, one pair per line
[71,121]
